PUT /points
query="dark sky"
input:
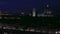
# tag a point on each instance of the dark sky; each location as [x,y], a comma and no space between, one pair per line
[14,5]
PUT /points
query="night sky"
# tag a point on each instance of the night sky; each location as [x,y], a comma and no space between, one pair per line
[13,5]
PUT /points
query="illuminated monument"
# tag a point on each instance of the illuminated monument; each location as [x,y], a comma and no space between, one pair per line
[34,12]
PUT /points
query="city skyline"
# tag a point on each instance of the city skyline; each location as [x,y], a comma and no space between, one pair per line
[34,13]
[14,5]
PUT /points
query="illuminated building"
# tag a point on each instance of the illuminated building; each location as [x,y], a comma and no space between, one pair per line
[47,11]
[22,13]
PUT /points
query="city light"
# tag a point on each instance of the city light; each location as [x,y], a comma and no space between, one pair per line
[34,12]
[26,29]
[57,32]
[32,30]
[5,33]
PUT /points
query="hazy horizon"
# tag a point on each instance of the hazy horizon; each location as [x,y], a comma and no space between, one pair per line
[14,5]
